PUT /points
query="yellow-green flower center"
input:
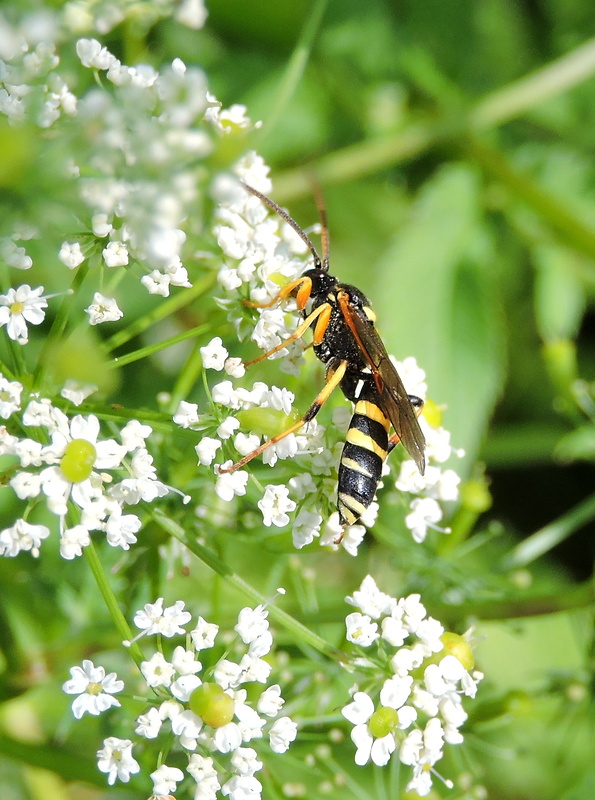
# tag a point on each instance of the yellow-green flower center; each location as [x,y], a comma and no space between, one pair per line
[17,308]
[212,705]
[94,688]
[383,721]
[458,647]
[78,459]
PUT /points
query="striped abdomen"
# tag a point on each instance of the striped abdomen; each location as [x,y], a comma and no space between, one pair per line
[362,458]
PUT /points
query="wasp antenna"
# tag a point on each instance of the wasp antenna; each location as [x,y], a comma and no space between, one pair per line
[318,262]
[323,223]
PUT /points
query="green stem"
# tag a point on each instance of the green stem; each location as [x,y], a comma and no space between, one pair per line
[545,204]
[109,597]
[212,561]
[149,350]
[295,69]
[187,378]
[544,540]
[163,310]
[59,323]
[491,111]
[581,596]
[531,90]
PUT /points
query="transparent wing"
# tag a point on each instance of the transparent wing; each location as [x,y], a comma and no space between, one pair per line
[393,398]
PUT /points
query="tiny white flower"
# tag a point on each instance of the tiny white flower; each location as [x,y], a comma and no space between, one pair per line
[202,769]
[306,528]
[203,636]
[149,724]
[370,600]
[72,541]
[121,529]
[225,394]
[186,415]
[252,623]
[101,225]
[77,392]
[156,283]
[154,619]
[10,397]
[165,780]
[425,513]
[116,760]
[206,450]
[157,671]
[94,687]
[360,629]
[19,307]
[214,354]
[242,787]
[191,13]
[281,734]
[115,254]
[133,435]
[270,701]
[71,254]
[228,427]
[230,484]
[184,661]
[275,505]
[245,443]
[92,54]
[103,309]
[234,367]
[22,536]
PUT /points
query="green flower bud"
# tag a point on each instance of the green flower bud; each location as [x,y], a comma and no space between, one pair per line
[78,459]
[212,705]
[383,721]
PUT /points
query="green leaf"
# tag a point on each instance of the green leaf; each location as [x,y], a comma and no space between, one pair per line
[439,302]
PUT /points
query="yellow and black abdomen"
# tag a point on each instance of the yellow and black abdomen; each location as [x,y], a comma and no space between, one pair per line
[362,458]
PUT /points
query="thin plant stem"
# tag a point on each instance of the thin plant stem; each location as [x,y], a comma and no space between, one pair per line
[213,561]
[543,540]
[294,69]
[149,350]
[494,109]
[111,603]
[162,311]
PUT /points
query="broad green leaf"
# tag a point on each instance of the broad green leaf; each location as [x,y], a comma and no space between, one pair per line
[438,301]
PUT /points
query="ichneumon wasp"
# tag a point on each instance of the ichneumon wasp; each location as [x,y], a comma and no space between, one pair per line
[345,339]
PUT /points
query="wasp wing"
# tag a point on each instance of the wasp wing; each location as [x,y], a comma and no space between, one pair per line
[393,398]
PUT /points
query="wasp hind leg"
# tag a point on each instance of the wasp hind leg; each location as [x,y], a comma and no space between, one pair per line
[334,377]
[418,407]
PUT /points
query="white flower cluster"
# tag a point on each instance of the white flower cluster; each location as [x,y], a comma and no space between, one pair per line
[210,718]
[138,139]
[437,485]
[75,472]
[419,706]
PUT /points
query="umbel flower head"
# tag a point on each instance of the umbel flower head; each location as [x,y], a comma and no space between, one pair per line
[207,715]
[77,473]
[418,706]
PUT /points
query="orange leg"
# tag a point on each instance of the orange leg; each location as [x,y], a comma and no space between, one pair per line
[333,379]
[322,311]
[303,287]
